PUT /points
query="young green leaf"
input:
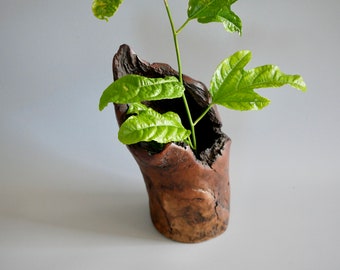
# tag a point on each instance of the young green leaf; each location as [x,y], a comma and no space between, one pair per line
[136,108]
[150,125]
[103,9]
[215,11]
[245,101]
[233,87]
[135,88]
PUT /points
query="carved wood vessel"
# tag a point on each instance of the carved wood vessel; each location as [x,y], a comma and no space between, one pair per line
[189,194]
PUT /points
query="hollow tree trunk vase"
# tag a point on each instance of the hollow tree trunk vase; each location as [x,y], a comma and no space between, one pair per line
[189,201]
[189,197]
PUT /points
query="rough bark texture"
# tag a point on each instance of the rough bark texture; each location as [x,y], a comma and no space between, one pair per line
[188,193]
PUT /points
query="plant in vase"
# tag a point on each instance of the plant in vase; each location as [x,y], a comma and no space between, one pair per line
[171,126]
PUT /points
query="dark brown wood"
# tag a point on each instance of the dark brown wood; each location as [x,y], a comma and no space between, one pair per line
[188,192]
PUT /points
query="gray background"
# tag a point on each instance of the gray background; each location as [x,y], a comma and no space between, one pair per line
[71,196]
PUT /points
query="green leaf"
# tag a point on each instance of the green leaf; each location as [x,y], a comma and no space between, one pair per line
[103,9]
[233,87]
[150,125]
[135,88]
[136,108]
[244,101]
[270,76]
[206,11]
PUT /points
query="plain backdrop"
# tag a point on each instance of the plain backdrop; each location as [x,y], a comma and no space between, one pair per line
[72,197]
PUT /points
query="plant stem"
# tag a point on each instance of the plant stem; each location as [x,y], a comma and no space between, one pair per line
[203,114]
[174,34]
[183,25]
[179,63]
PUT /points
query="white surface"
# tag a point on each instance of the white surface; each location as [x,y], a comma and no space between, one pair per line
[71,197]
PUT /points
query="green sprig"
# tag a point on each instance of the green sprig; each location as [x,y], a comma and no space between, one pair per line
[231,85]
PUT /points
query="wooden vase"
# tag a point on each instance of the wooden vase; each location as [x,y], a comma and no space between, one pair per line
[189,193]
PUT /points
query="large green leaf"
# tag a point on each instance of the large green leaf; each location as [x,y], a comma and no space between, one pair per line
[233,87]
[103,9]
[150,125]
[135,88]
[206,11]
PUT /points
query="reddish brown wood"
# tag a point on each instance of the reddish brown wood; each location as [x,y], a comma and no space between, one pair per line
[189,193]
[189,201]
